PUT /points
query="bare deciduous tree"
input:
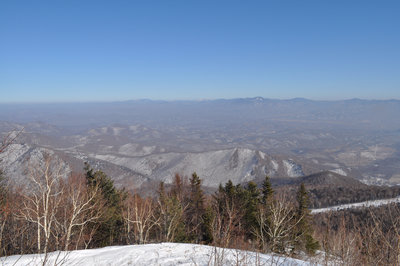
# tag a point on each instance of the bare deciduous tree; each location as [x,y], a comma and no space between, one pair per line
[276,224]
[43,199]
[80,206]
[226,222]
[139,218]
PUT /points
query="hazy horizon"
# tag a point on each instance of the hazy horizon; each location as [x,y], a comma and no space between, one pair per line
[197,100]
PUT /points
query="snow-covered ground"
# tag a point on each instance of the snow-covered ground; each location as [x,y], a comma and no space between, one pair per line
[364,204]
[154,254]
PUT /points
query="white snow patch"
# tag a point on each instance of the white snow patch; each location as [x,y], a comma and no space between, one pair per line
[339,171]
[275,165]
[364,204]
[155,254]
[335,165]
[117,130]
[368,155]
[133,149]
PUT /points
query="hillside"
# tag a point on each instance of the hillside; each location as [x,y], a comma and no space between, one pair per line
[215,167]
[329,178]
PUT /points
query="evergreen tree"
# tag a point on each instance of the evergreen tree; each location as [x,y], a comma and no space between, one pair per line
[207,225]
[177,189]
[304,231]
[110,226]
[264,214]
[267,191]
[230,190]
[251,198]
[228,209]
[196,211]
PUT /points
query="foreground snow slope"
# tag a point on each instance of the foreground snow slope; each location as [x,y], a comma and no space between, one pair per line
[154,254]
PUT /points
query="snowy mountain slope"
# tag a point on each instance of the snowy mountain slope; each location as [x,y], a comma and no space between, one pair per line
[132,171]
[155,254]
[359,138]
[214,167]
[17,160]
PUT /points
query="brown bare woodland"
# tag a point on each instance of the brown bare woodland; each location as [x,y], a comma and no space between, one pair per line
[361,237]
[139,219]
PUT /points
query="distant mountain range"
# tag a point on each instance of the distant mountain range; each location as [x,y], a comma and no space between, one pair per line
[362,113]
[144,141]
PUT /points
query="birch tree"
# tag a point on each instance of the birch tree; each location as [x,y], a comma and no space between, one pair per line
[139,217]
[43,198]
[81,206]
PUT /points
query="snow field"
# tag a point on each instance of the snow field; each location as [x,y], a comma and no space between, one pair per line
[168,254]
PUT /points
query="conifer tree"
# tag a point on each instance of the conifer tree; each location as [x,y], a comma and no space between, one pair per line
[110,225]
[230,190]
[228,212]
[251,198]
[303,233]
[264,213]
[177,189]
[196,211]
[267,191]
[207,225]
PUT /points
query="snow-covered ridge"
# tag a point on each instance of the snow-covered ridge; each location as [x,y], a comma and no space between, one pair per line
[364,204]
[155,254]
[293,169]
[339,171]
[214,167]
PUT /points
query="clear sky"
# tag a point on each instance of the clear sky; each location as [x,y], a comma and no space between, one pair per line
[119,50]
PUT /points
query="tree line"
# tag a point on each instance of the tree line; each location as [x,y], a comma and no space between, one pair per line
[50,212]
[87,210]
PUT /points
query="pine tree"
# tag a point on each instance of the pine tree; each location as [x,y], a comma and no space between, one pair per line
[304,231]
[264,214]
[228,209]
[110,225]
[177,188]
[196,210]
[230,190]
[267,191]
[207,225]
[251,198]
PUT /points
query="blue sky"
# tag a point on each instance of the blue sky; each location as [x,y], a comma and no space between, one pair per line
[120,50]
